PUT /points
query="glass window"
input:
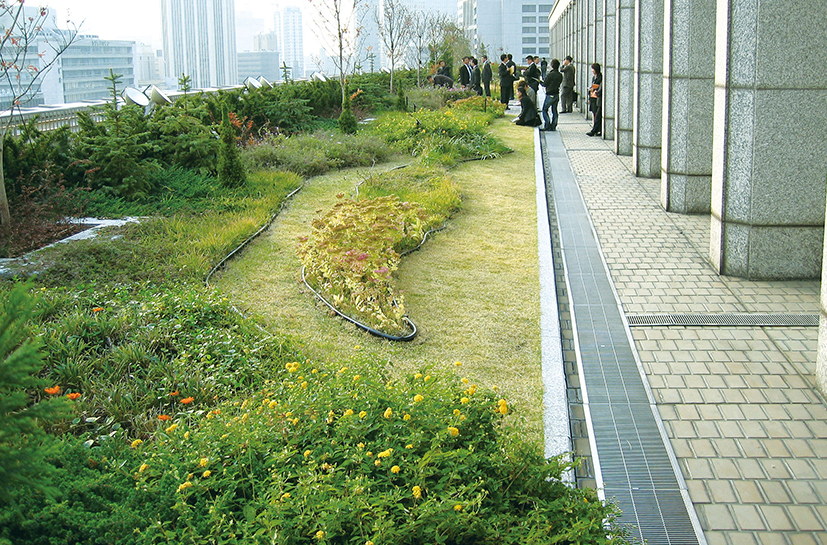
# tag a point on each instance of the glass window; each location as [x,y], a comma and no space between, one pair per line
[529,20]
[529,40]
[529,51]
[545,8]
[543,51]
[529,30]
[542,40]
[529,9]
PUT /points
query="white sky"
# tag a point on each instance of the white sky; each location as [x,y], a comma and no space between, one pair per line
[140,20]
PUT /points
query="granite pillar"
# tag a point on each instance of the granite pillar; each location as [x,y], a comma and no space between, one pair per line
[624,85]
[688,93]
[648,88]
[608,61]
[821,360]
[769,147]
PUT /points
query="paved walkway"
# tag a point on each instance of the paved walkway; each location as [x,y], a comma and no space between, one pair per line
[738,403]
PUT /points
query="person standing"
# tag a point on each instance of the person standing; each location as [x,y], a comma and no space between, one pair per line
[442,69]
[596,100]
[552,84]
[476,76]
[567,92]
[532,74]
[487,76]
[506,83]
[515,73]
[465,73]
[543,68]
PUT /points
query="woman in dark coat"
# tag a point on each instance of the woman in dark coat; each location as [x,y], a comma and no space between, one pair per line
[596,100]
[528,112]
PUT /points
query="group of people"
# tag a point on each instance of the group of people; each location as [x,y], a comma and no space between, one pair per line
[559,89]
[473,74]
[558,83]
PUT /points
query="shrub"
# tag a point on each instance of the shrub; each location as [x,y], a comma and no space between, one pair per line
[230,168]
[344,456]
[480,104]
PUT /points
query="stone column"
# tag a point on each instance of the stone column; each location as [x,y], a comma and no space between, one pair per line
[609,75]
[821,361]
[582,48]
[624,83]
[769,150]
[648,88]
[688,93]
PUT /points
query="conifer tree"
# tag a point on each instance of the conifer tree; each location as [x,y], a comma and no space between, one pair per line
[24,443]
[230,169]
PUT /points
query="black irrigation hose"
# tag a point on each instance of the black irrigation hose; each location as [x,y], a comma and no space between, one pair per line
[359,324]
[249,239]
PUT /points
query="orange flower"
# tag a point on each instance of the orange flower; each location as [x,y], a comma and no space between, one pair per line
[97,309]
[73,396]
[53,390]
[164,417]
[187,400]
[175,393]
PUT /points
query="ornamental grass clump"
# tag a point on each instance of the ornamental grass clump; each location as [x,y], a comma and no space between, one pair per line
[352,252]
[344,456]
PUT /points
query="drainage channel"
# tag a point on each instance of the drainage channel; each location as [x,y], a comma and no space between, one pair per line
[634,465]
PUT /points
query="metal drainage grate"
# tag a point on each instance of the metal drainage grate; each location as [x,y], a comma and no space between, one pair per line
[807,320]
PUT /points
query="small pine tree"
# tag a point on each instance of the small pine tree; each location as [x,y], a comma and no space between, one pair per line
[401,102]
[24,444]
[230,170]
[347,121]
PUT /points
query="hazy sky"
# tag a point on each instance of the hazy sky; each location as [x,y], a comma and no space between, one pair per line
[140,20]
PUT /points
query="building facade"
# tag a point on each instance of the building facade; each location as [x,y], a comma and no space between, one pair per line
[290,30]
[259,63]
[497,26]
[199,41]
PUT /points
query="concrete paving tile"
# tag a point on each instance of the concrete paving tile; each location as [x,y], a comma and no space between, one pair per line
[752,448]
[774,491]
[742,538]
[721,491]
[697,491]
[716,538]
[734,412]
[802,492]
[714,397]
[703,448]
[820,467]
[681,429]
[775,469]
[805,539]
[730,429]
[747,492]
[804,518]
[747,517]
[691,396]
[775,448]
[706,429]
[798,429]
[709,412]
[716,517]
[801,468]
[727,448]
[682,448]
[753,429]
[777,518]
[696,469]
[770,538]
[723,468]
[776,429]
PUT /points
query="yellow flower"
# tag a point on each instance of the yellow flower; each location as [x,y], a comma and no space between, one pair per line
[356,377]
[304,385]
[362,414]
[361,445]
[406,417]
[368,542]
[357,347]
[306,453]
[457,412]
[427,378]
[342,370]
[292,366]
[464,400]
[396,469]
[349,412]
[206,474]
[369,453]
[464,380]
[502,407]
[186,434]
[418,398]
[203,462]
[458,363]
[273,404]
[417,492]
[319,535]
[377,462]
[453,431]
[143,468]
[136,442]
[285,496]
[385,453]
[471,389]
[418,376]
[409,446]
[295,421]
[330,416]
[388,413]
[184,486]
[458,507]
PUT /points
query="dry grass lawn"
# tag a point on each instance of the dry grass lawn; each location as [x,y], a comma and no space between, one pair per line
[472,289]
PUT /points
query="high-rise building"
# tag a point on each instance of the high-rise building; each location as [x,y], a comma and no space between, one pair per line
[85,65]
[499,26]
[199,41]
[290,31]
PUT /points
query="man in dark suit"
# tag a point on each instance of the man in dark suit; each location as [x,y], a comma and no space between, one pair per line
[532,73]
[476,76]
[567,89]
[465,73]
[487,76]
[506,82]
